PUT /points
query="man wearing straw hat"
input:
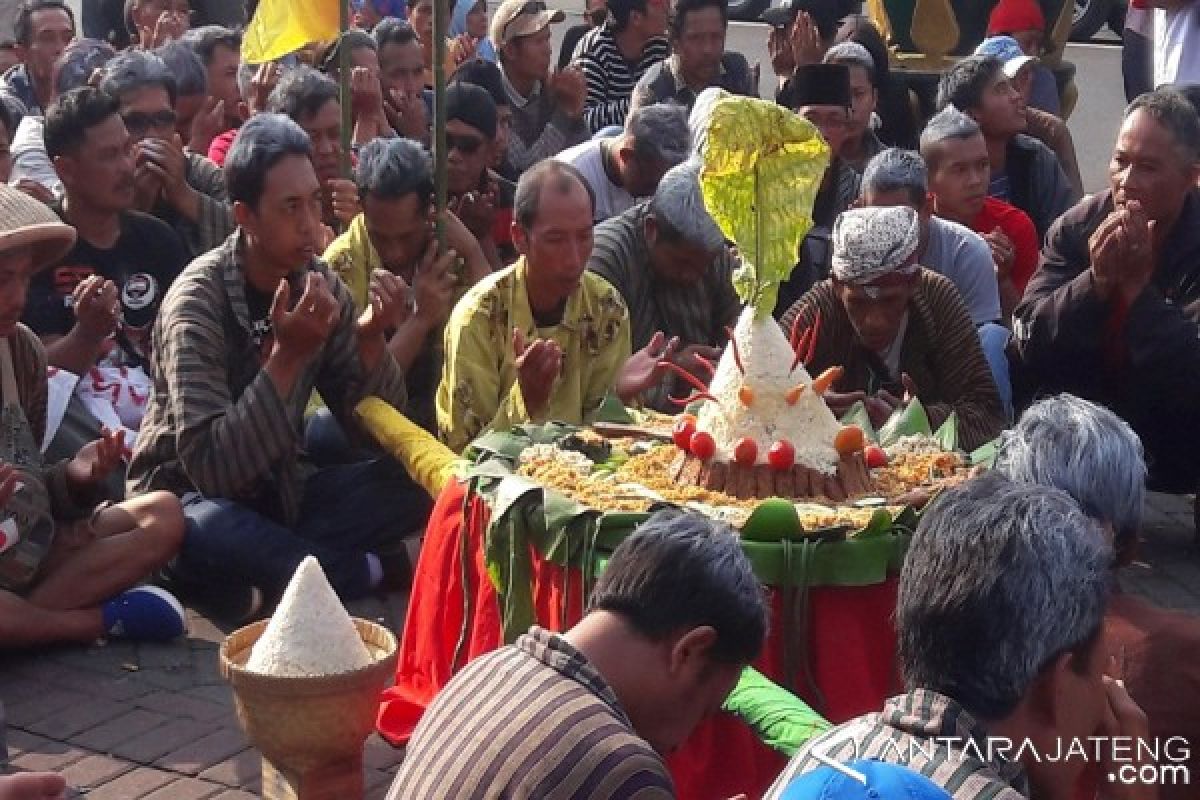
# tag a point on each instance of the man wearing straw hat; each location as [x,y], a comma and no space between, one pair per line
[66,569]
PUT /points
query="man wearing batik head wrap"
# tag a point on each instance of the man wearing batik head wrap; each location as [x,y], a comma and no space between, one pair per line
[899,331]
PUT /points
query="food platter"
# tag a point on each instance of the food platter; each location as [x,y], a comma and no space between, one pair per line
[624,466]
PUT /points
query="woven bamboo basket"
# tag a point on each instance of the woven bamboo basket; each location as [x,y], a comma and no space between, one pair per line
[309,726]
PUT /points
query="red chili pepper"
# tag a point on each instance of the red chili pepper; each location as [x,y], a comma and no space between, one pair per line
[812,344]
[693,397]
[737,356]
[708,365]
[800,347]
[683,373]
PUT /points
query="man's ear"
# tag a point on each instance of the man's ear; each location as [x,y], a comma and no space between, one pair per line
[244,216]
[64,166]
[1046,692]
[520,239]
[22,53]
[691,651]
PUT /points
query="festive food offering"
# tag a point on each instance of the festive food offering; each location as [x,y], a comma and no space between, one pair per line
[763,428]
[310,633]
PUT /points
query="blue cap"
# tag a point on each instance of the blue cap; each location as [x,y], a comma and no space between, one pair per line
[863,780]
[1009,53]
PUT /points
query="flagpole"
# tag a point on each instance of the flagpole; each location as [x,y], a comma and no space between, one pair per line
[345,65]
[439,117]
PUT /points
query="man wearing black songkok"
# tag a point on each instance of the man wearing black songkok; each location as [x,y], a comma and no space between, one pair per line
[821,94]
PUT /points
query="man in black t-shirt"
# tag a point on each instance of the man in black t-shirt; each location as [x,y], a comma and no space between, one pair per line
[108,288]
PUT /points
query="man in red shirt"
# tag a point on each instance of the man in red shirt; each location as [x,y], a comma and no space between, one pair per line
[956,155]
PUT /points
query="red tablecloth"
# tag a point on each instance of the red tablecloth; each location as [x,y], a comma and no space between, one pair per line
[453,616]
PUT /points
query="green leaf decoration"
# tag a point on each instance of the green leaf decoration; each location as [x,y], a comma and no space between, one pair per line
[908,421]
[985,455]
[947,434]
[881,524]
[763,165]
[612,410]
[857,415]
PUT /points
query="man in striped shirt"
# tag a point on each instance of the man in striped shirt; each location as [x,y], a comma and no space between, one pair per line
[237,357]
[615,56]
[999,621]
[590,714]
[669,260]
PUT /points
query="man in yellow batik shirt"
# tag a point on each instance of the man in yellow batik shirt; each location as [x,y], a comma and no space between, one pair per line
[394,232]
[543,339]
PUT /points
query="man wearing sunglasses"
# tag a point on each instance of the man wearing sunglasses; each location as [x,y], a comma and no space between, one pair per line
[184,189]
[482,199]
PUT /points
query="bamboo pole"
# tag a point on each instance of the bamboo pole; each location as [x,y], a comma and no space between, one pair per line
[440,24]
[345,65]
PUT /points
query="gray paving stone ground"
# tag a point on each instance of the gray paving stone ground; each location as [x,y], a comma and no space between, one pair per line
[144,722]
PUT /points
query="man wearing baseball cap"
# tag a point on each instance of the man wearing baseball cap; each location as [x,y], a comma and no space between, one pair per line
[547,108]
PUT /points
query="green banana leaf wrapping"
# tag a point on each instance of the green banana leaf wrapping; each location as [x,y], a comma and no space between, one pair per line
[782,720]
[763,165]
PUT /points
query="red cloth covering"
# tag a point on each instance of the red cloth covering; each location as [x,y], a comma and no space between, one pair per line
[851,640]
[1018,227]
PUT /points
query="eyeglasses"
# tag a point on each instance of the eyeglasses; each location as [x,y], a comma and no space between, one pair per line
[137,122]
[531,7]
[467,145]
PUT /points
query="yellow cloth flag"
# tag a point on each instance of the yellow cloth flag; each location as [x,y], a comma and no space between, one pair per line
[428,462]
[280,27]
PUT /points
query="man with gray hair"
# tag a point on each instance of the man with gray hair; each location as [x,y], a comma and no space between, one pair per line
[1113,312]
[898,177]
[955,152]
[1094,456]
[394,232]
[620,169]
[670,262]
[180,187]
[1000,629]
[897,331]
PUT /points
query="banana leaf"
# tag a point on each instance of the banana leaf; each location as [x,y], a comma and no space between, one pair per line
[909,421]
[613,410]
[985,455]
[857,415]
[947,434]
[762,167]
[781,719]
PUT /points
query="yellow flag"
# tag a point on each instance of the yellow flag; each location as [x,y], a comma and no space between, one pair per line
[280,27]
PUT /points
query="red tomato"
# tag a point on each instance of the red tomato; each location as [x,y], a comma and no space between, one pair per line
[782,455]
[685,426]
[746,452]
[875,456]
[703,445]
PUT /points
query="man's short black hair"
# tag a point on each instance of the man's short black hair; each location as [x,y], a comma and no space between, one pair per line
[260,144]
[680,10]
[205,40]
[621,10]
[681,570]
[527,200]
[23,27]
[391,30]
[393,168]
[302,92]
[71,115]
[964,84]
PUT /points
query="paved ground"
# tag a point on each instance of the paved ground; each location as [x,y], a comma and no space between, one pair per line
[129,721]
